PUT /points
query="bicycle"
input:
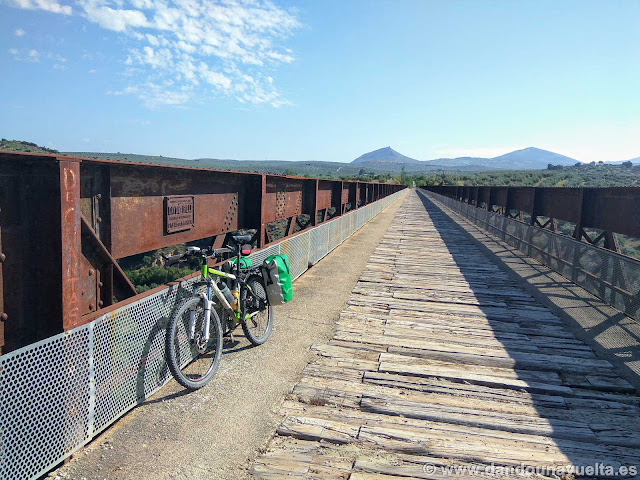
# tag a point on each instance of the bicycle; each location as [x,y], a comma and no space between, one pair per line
[195,332]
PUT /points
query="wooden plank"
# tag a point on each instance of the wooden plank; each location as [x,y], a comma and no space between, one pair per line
[514,360]
[480,418]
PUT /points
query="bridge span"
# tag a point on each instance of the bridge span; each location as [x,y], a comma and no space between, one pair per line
[421,348]
[441,359]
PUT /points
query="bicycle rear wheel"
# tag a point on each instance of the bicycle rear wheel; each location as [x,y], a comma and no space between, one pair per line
[257,328]
[193,363]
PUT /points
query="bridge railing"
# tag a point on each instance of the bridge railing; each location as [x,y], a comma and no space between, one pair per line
[60,392]
[66,223]
[605,273]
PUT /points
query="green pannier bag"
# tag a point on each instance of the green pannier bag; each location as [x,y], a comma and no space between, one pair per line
[245,262]
[277,279]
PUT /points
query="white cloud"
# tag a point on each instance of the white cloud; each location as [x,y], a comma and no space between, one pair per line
[186,49]
[24,55]
[92,71]
[33,55]
[154,95]
[48,5]
[19,32]
[56,57]
[214,78]
[153,40]
[114,19]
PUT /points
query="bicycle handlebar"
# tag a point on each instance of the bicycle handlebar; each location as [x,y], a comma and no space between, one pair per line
[195,252]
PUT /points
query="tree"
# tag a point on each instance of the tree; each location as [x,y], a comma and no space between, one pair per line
[627,164]
[289,171]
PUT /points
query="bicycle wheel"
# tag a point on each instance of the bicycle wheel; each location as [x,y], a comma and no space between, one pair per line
[258,328]
[192,362]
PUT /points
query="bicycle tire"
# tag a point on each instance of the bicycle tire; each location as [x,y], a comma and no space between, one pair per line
[250,327]
[178,348]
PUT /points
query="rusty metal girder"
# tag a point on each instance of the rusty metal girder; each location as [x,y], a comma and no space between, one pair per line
[3,315]
[138,198]
[610,209]
[324,196]
[65,221]
[284,198]
[70,242]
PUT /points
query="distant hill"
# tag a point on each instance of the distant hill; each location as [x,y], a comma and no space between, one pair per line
[526,159]
[385,155]
[21,146]
[384,161]
[278,167]
[531,158]
[635,161]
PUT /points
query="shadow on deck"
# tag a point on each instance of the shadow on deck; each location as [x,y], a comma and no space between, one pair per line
[439,360]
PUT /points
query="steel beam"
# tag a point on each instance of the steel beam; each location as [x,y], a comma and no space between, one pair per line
[65,221]
[613,210]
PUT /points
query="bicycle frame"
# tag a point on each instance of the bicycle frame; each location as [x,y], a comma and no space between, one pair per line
[205,275]
[212,288]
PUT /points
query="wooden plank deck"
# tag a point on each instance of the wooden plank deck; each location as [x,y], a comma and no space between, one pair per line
[439,360]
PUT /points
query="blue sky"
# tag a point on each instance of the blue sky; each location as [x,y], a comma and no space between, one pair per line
[322,80]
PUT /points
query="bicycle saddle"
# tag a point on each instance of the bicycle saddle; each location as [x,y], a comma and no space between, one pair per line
[239,239]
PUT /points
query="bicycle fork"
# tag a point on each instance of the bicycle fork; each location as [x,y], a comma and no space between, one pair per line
[208,305]
[207,322]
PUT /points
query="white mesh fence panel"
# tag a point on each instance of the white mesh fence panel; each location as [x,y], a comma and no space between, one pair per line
[612,277]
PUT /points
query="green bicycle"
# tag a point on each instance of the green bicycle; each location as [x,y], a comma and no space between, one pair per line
[195,332]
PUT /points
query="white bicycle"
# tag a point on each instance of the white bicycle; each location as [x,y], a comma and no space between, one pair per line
[195,331]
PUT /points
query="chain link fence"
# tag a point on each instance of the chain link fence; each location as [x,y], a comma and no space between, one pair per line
[57,394]
[612,277]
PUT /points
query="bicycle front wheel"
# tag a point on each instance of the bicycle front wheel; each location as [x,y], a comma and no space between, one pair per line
[257,328]
[192,361]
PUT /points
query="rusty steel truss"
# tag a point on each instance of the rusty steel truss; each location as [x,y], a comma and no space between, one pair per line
[608,211]
[66,221]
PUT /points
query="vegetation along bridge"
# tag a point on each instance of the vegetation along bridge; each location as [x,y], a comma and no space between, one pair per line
[487,331]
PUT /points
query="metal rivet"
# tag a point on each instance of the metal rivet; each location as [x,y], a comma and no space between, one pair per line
[3,257]
[91,306]
[3,317]
[100,284]
[99,196]
[90,271]
[99,219]
[100,303]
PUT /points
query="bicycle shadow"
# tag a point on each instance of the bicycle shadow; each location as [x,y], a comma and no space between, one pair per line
[152,370]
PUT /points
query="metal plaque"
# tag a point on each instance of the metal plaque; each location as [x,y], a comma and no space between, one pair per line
[178,213]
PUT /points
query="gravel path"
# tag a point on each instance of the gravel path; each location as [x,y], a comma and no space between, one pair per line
[216,432]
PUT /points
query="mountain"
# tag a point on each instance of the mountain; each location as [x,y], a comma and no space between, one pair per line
[526,159]
[532,158]
[385,155]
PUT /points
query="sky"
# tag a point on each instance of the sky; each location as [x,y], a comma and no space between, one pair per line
[322,80]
